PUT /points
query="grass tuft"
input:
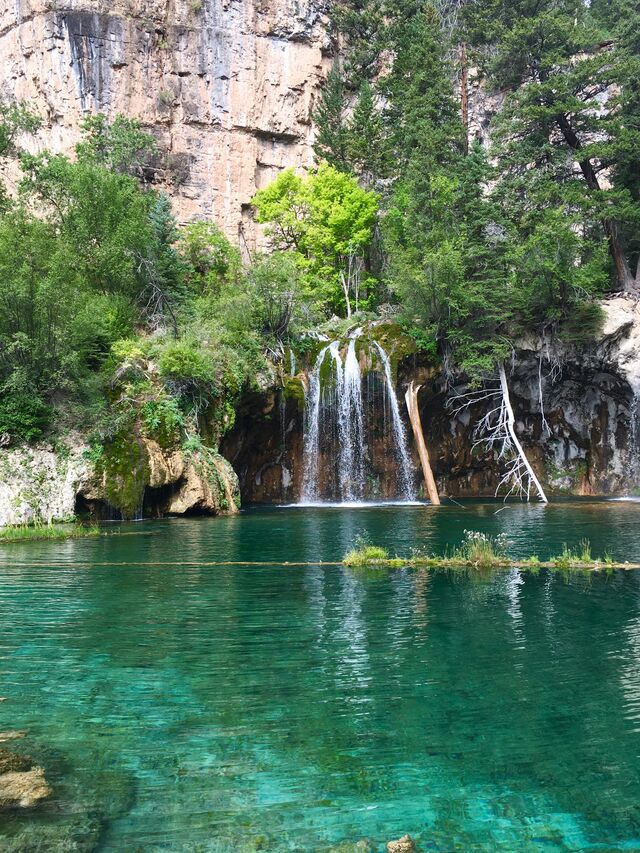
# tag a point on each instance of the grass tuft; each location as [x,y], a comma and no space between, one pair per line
[365,555]
[39,531]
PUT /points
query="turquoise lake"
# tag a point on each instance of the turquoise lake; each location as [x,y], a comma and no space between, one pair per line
[182,706]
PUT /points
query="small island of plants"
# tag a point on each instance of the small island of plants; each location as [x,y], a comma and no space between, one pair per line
[482,551]
[34,532]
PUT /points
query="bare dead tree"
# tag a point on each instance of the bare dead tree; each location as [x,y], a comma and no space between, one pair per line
[155,300]
[496,431]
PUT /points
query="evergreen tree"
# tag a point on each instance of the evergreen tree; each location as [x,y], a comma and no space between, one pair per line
[563,123]
[329,117]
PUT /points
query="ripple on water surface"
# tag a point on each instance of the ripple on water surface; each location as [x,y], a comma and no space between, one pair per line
[181,706]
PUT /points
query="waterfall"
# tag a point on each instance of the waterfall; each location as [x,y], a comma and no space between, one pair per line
[336,427]
[312,432]
[351,428]
[399,432]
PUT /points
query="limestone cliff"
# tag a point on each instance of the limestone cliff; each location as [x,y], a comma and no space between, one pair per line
[227,86]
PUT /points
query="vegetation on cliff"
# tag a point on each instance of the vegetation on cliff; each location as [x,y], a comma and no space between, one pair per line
[115,320]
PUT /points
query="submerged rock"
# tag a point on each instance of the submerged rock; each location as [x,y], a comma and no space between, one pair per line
[402,845]
[11,762]
[22,785]
[13,734]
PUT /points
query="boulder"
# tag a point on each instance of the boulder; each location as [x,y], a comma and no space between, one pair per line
[23,789]
[402,845]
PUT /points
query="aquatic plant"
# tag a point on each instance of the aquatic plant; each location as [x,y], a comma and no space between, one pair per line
[481,549]
[39,530]
[365,555]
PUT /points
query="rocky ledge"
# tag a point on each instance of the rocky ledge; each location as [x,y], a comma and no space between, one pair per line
[43,483]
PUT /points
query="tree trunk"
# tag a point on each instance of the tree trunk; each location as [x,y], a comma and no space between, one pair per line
[514,438]
[623,271]
[464,96]
[411,399]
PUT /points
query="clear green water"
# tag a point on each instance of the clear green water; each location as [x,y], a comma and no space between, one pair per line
[180,706]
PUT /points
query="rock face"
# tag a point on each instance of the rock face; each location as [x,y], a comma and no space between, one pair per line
[40,484]
[160,482]
[227,86]
[588,444]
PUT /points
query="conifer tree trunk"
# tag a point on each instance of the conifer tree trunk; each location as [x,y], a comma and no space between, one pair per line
[411,399]
[628,283]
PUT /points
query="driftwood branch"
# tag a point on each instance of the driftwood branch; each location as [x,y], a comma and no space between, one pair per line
[411,399]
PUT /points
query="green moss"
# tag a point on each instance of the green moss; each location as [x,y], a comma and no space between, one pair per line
[208,463]
[293,389]
[124,468]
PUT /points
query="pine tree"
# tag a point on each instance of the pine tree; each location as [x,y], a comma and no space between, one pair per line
[563,123]
[329,117]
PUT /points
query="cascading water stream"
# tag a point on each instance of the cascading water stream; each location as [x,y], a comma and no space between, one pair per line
[351,427]
[402,450]
[312,432]
[335,431]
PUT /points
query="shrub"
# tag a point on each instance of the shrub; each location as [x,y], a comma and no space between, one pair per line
[189,374]
[23,416]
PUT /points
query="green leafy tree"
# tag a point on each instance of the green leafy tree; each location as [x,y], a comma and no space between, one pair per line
[101,217]
[328,220]
[121,146]
[210,261]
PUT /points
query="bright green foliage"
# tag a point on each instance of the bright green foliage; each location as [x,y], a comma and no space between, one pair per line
[328,220]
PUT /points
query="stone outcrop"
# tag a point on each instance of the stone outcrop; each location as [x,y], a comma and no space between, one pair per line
[43,484]
[587,444]
[402,845]
[164,482]
[40,483]
[227,86]
[22,785]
